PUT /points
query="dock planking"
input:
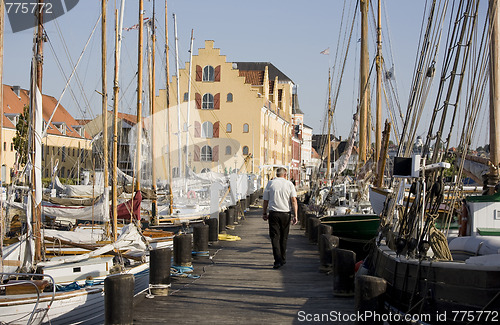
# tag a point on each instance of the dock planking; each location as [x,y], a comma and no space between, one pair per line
[239,285]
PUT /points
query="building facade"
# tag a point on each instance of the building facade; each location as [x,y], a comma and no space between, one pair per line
[235,112]
[65,148]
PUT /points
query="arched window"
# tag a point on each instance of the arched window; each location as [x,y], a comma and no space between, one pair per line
[245,150]
[229,128]
[207,130]
[246,128]
[228,150]
[186,97]
[206,153]
[208,101]
[205,170]
[229,97]
[208,73]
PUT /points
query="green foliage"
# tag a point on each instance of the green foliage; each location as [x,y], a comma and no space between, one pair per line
[21,139]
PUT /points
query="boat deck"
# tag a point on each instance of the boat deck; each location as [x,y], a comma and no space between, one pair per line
[240,286]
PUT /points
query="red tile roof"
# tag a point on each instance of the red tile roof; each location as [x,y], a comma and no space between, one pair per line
[12,104]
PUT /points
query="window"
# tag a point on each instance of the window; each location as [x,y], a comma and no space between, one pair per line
[208,101]
[207,130]
[186,97]
[208,73]
[229,128]
[175,172]
[228,150]
[12,147]
[245,128]
[245,150]
[230,97]
[205,170]
[63,155]
[5,146]
[206,153]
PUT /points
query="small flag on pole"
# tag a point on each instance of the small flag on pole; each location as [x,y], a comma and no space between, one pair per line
[325,52]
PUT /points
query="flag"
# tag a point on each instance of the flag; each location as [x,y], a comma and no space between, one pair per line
[325,52]
[136,26]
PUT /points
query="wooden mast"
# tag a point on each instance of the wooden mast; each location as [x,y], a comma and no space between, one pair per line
[167,94]
[139,96]
[378,125]
[104,104]
[328,145]
[152,97]
[179,129]
[363,77]
[116,89]
[36,96]
[493,176]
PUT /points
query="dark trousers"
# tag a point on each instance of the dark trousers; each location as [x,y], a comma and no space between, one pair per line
[279,226]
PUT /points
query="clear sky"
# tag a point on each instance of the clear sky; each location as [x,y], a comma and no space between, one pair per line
[290,34]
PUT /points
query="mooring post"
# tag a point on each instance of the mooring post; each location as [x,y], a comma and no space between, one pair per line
[118,300]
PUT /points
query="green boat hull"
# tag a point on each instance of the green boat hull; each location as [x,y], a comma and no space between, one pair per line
[353,227]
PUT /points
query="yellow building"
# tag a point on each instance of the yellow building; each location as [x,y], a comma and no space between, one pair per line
[234,109]
[66,144]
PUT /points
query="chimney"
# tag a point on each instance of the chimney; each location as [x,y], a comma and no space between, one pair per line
[17,90]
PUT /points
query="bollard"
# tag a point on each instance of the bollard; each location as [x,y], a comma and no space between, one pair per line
[159,271]
[343,272]
[302,213]
[314,223]
[182,250]
[369,294]
[326,244]
[308,215]
[324,230]
[200,240]
[223,219]
[213,228]
[118,300]
[231,215]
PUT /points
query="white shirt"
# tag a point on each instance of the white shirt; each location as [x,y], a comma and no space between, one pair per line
[278,192]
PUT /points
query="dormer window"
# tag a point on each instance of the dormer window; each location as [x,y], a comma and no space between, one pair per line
[61,126]
[13,118]
[78,129]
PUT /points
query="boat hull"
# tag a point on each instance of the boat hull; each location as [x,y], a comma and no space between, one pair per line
[437,288]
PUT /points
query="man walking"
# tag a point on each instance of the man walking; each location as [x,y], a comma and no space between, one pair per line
[278,195]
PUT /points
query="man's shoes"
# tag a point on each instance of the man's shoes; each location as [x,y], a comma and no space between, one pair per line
[283,263]
[277,265]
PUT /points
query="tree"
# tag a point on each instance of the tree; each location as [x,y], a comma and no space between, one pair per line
[21,139]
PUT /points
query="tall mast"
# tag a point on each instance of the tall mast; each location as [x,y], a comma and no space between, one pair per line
[167,94]
[189,95]
[363,77]
[328,146]
[378,125]
[116,89]
[179,142]
[139,95]
[153,111]
[493,176]
[36,144]
[104,107]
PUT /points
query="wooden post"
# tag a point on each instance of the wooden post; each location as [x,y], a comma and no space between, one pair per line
[493,176]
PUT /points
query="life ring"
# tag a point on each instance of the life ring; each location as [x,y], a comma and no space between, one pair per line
[191,194]
[463,220]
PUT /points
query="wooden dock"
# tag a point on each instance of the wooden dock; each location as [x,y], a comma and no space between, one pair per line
[239,286]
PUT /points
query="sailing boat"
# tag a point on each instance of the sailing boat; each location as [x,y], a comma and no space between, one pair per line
[412,256]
